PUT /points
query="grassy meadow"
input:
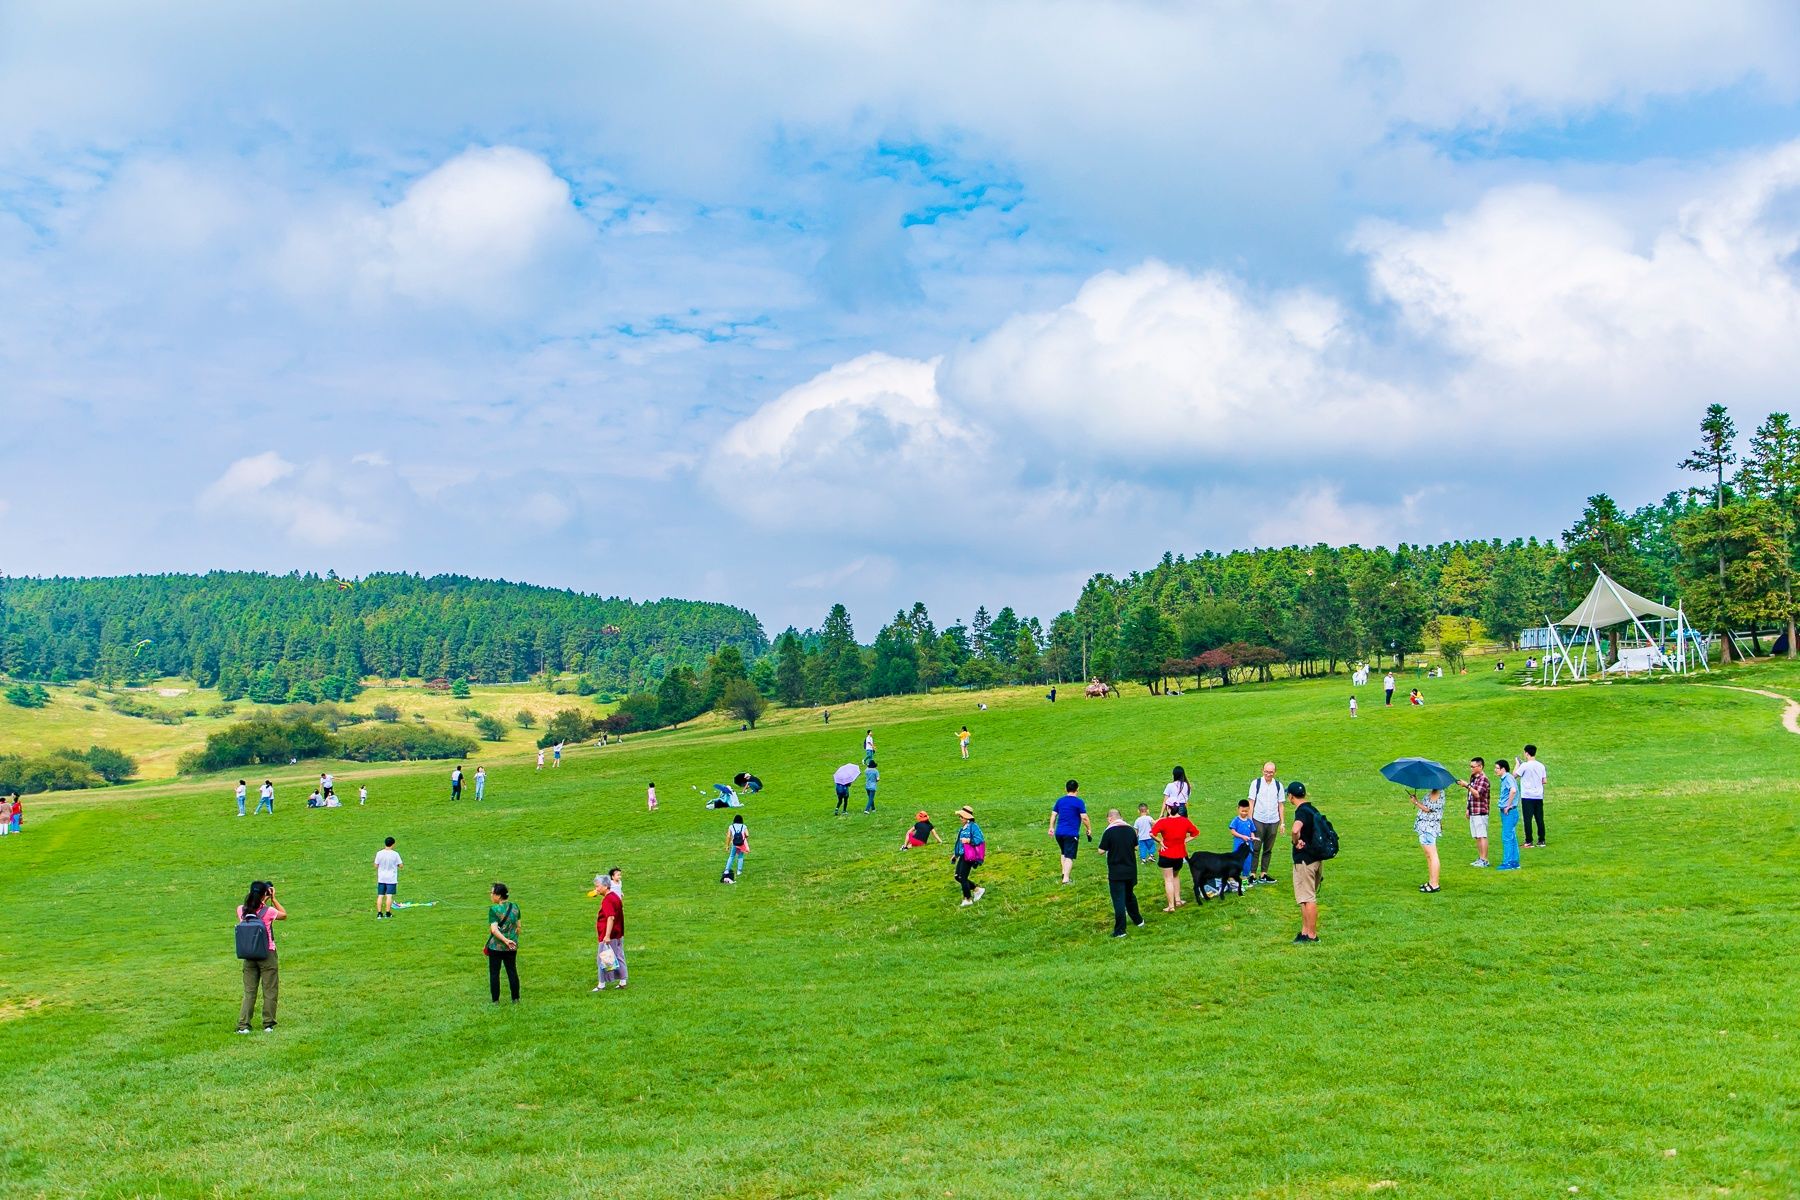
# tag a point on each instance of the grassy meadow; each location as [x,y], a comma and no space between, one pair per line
[1616,1018]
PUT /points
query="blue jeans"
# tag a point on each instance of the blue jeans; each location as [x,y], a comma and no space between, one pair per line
[267,802]
[1146,849]
[871,807]
[734,862]
[240,801]
[1509,837]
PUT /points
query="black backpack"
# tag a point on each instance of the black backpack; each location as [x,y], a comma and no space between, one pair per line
[252,938]
[1324,839]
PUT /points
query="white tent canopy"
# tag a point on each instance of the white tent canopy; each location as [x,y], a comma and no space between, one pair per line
[1607,604]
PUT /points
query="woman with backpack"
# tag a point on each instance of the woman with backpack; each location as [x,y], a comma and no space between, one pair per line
[260,905]
[502,947]
[968,851]
[737,844]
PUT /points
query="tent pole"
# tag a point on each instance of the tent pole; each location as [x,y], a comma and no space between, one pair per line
[1634,620]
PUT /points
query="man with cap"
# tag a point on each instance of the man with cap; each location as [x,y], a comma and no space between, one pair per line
[1308,863]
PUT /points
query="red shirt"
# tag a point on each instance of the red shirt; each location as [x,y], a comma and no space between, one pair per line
[611,906]
[1175,832]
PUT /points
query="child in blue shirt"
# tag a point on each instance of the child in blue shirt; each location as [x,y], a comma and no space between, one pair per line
[1243,833]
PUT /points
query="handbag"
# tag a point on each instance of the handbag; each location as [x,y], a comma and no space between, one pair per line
[608,960]
[974,852]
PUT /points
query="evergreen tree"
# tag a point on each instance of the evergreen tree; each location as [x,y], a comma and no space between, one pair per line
[790,670]
[1772,472]
[1716,451]
[678,697]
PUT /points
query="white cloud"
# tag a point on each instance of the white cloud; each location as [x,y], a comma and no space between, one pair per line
[318,505]
[1318,512]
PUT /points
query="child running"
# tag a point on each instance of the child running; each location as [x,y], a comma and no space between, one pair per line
[921,833]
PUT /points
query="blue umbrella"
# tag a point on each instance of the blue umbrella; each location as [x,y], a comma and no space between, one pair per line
[1419,773]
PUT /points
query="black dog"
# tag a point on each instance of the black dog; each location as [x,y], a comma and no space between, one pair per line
[1203,866]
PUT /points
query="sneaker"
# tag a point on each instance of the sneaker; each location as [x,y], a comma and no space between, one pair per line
[245,1029]
[1507,867]
[600,988]
[1119,934]
[966,903]
[1480,862]
[268,1029]
[1140,924]
[980,892]
[1265,877]
[1303,940]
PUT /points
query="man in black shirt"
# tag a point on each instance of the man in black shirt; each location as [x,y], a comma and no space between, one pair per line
[1119,844]
[1308,864]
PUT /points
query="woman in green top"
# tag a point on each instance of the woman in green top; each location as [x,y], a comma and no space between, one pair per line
[502,943]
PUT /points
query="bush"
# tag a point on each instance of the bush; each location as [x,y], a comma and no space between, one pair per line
[262,739]
[88,690]
[111,765]
[460,689]
[387,713]
[331,716]
[586,685]
[131,706]
[221,710]
[525,718]
[28,695]
[400,743]
[61,771]
[491,729]
[567,726]
[636,712]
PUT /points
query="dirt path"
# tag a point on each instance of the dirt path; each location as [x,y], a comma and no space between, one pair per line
[1790,715]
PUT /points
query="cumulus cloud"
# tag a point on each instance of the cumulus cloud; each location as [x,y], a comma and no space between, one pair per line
[318,505]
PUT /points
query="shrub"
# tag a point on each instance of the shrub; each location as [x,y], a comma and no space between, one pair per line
[525,718]
[61,771]
[567,726]
[460,689]
[491,729]
[387,713]
[586,685]
[111,765]
[131,706]
[28,695]
[400,743]
[261,739]
[636,712]
[221,710]
[89,690]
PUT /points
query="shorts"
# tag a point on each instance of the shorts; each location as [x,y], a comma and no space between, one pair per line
[914,842]
[1307,878]
[1478,826]
[1170,864]
[1428,839]
[1069,844]
[386,889]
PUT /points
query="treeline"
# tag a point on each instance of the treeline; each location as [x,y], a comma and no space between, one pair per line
[299,733]
[64,770]
[303,637]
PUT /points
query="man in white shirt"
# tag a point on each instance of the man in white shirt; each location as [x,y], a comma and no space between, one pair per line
[328,785]
[1387,686]
[1267,805]
[387,879]
[1532,776]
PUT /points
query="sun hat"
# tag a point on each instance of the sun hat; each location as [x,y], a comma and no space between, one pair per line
[923,816]
[966,813]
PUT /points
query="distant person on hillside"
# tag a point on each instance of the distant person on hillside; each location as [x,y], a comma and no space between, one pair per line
[1119,844]
[1172,833]
[556,755]
[1146,839]
[828,716]
[503,942]
[328,785]
[266,797]
[15,815]
[480,782]
[1479,790]
[609,929]
[1532,778]
[1353,705]
[1267,801]
[1509,817]
[1176,793]
[261,905]
[1429,825]
[387,879]
[456,783]
[362,794]
[650,797]
[871,779]
[737,844]
[968,852]
[868,747]
[1052,696]
[921,833]
[962,738]
[243,794]
[540,765]
[1068,821]
[1309,862]
[1387,689]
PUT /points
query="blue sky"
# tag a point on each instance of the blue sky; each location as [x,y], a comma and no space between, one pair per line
[785,303]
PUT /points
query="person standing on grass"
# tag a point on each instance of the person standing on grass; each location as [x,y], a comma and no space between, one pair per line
[261,903]
[1352,705]
[1532,778]
[1387,690]
[16,820]
[963,739]
[480,782]
[1243,844]
[6,815]
[1509,817]
[1146,839]
[1176,793]
[737,844]
[1309,863]
[1172,834]
[243,793]
[609,927]
[540,765]
[362,794]
[1479,790]
[1119,844]
[1068,821]
[1429,825]
[869,748]
[843,798]
[968,851]
[650,797]
[387,879]
[456,782]
[328,785]
[556,755]
[266,797]
[871,778]
[1266,804]
[503,942]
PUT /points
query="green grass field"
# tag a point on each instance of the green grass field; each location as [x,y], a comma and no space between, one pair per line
[836,1025]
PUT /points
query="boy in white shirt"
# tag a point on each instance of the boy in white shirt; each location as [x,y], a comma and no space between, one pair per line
[387,879]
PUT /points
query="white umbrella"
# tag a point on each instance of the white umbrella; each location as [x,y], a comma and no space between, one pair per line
[846,774]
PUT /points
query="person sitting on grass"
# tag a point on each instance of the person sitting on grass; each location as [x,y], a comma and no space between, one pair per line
[921,833]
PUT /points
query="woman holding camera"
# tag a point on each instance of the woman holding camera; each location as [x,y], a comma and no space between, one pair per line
[261,903]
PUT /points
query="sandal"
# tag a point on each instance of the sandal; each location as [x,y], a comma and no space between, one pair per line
[1426,887]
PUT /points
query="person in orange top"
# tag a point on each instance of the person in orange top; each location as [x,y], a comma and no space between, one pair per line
[1172,834]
